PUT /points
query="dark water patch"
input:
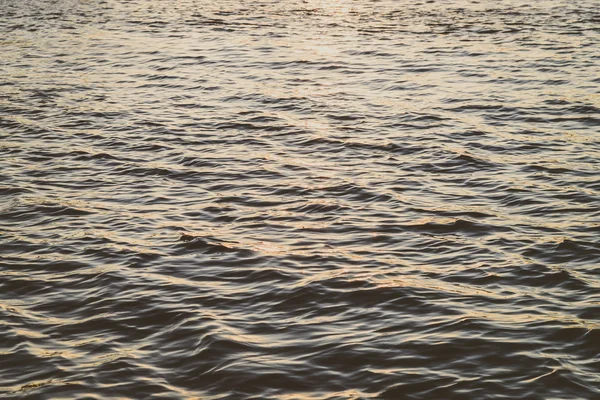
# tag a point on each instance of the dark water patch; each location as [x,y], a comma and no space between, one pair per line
[470,228]
[565,250]
[8,191]
[208,246]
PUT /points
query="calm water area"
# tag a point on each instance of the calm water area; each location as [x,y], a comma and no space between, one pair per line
[342,199]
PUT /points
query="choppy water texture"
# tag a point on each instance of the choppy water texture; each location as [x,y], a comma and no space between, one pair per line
[300,199]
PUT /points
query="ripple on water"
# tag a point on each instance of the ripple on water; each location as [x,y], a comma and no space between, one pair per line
[326,200]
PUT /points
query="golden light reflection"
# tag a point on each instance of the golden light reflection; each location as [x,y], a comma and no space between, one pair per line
[345,394]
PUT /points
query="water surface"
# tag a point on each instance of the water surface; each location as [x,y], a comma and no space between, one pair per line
[299,199]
